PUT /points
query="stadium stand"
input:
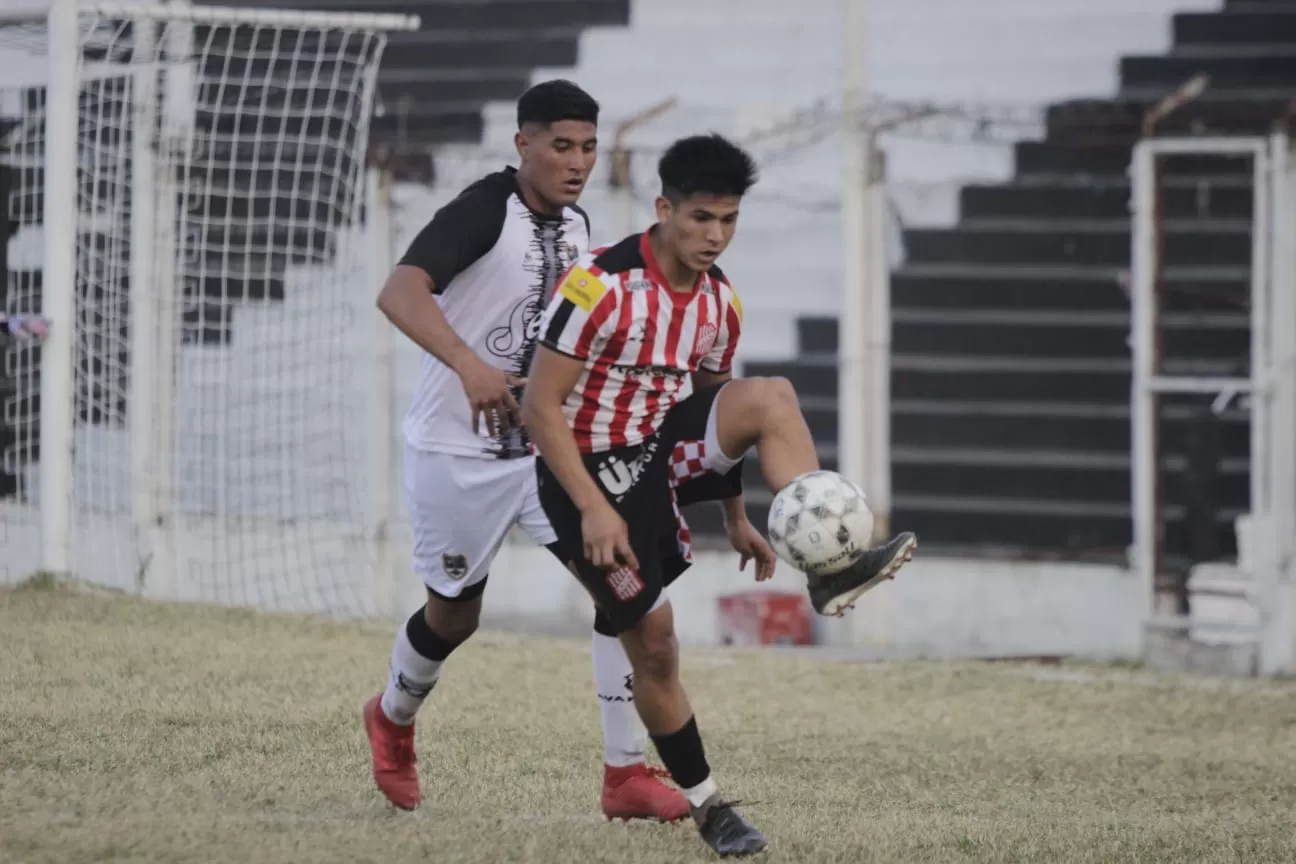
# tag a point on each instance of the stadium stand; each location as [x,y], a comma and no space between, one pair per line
[1010,382]
[432,86]
[1011,373]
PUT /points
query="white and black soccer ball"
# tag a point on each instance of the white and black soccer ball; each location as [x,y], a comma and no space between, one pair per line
[820,522]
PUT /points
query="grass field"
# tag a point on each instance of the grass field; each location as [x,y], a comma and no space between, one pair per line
[131,731]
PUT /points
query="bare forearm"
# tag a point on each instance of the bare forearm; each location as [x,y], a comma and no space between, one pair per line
[735,509]
[415,312]
[553,438]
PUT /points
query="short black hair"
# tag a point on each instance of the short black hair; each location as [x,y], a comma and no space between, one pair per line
[551,101]
[705,165]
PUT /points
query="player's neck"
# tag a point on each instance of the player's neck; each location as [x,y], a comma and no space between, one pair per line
[679,277]
[533,200]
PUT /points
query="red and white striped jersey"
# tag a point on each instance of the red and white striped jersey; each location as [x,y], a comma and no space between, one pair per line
[639,339]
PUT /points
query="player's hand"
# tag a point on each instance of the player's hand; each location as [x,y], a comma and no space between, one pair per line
[607,539]
[26,326]
[489,394]
[750,545]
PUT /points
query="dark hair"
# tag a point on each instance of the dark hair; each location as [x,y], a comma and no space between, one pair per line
[551,101]
[705,165]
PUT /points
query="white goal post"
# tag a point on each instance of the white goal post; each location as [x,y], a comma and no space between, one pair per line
[187,203]
[1267,554]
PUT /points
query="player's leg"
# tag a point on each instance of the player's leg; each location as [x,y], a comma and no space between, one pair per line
[664,706]
[635,606]
[764,413]
[459,512]
[631,789]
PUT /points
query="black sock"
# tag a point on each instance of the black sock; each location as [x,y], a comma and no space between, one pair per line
[431,645]
[683,755]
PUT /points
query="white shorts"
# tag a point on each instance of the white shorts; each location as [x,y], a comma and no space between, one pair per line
[461,508]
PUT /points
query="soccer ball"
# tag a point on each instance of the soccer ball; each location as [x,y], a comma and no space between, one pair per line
[820,523]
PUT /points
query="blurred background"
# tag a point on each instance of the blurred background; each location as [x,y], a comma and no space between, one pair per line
[980,154]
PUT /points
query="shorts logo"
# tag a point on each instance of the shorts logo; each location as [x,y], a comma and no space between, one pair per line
[706,337]
[582,288]
[625,583]
[618,476]
[615,476]
[455,566]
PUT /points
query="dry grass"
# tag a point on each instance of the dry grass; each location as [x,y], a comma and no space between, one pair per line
[141,732]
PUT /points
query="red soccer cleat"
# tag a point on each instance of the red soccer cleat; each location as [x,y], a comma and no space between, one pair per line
[637,792]
[393,756]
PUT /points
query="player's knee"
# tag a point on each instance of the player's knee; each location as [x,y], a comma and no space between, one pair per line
[778,396]
[765,395]
[659,657]
[454,622]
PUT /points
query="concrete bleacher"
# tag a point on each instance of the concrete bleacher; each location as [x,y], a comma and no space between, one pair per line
[977,217]
[1010,420]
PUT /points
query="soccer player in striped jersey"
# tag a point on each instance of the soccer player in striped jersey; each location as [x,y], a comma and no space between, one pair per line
[623,443]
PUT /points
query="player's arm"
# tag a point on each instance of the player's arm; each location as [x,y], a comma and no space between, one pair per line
[458,235]
[552,378]
[408,300]
[575,327]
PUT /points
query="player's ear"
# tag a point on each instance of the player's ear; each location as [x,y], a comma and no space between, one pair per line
[521,143]
[664,208]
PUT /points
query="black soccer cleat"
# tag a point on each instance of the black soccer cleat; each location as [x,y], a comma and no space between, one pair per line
[834,593]
[726,831]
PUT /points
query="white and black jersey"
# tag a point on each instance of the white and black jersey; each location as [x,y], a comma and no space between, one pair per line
[494,263]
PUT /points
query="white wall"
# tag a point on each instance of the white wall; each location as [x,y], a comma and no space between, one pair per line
[935,608]
[773,58]
[742,65]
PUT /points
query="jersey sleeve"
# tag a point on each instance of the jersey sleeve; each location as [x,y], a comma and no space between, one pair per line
[460,233]
[720,358]
[581,315]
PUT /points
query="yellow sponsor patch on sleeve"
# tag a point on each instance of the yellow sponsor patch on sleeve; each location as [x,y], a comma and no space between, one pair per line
[737,304]
[582,288]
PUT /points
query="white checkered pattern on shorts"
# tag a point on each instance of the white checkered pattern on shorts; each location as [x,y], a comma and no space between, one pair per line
[687,461]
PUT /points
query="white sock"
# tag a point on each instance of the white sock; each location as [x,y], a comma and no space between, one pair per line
[698,795]
[411,679]
[624,738]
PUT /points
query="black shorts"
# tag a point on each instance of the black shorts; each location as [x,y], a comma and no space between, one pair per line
[647,484]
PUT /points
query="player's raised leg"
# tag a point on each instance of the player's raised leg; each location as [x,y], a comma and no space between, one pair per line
[764,413]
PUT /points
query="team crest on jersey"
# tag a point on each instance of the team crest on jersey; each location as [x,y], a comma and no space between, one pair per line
[706,337]
[582,288]
[455,566]
[638,284]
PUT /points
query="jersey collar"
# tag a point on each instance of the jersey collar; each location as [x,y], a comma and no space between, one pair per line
[655,273]
[517,190]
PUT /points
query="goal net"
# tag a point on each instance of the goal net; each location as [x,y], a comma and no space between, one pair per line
[194,427]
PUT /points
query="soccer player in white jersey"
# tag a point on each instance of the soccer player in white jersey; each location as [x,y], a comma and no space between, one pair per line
[470,291]
[621,440]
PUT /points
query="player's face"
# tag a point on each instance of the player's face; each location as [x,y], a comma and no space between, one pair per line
[699,228]
[558,159]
